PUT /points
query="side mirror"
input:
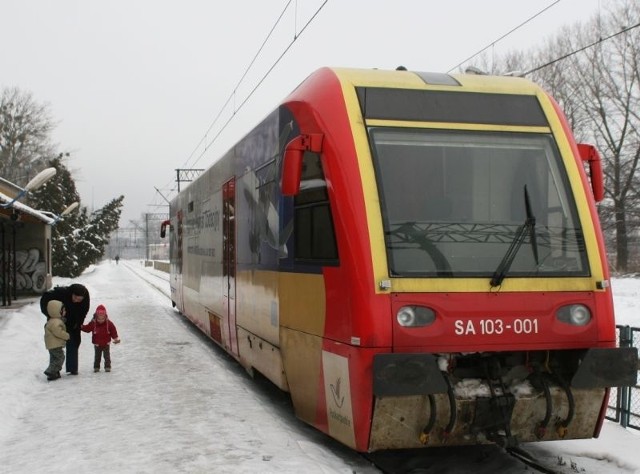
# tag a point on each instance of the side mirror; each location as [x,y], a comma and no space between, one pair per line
[292,161]
[163,228]
[590,155]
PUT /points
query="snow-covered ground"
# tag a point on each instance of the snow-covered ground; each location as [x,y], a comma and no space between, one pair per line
[176,403]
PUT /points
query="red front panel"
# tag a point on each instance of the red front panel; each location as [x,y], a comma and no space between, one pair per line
[503,322]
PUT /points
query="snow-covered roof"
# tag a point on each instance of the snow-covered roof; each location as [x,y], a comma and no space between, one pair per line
[17,205]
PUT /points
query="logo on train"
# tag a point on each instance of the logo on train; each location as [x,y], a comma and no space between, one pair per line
[338,399]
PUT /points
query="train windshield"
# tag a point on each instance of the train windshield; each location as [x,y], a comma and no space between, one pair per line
[472,204]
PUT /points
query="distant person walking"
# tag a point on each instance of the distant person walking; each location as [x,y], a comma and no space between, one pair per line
[55,338]
[75,299]
[103,332]
[117,259]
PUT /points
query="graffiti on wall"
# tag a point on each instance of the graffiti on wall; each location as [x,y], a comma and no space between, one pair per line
[31,271]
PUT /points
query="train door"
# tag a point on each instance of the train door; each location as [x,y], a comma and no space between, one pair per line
[176,243]
[229,261]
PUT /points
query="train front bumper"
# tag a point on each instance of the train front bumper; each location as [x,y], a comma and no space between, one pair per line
[418,404]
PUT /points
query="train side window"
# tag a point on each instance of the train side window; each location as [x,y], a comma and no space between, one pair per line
[315,240]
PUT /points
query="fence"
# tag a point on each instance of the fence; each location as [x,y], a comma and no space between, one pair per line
[160,265]
[624,402]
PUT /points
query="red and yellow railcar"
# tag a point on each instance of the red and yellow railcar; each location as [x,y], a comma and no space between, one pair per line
[415,257]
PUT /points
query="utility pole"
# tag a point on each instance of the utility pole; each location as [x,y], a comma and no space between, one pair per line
[151,224]
[146,236]
[136,227]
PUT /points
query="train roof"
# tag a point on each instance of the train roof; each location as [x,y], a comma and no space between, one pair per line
[405,79]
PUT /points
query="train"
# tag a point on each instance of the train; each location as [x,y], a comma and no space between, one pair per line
[415,257]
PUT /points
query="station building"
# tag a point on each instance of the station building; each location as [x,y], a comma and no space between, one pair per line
[25,238]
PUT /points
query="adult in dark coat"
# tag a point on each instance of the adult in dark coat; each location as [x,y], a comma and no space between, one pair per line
[76,300]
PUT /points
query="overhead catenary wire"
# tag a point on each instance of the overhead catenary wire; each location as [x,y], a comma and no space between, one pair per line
[232,95]
[506,34]
[264,77]
[297,35]
[579,50]
[558,59]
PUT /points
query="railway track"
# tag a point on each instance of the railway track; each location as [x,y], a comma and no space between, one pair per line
[531,461]
[460,460]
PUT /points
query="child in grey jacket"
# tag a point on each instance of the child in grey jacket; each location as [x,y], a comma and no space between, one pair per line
[55,338]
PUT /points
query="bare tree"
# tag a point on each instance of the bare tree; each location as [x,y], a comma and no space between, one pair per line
[608,85]
[25,128]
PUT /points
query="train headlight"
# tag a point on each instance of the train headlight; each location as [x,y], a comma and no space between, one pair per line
[576,314]
[415,316]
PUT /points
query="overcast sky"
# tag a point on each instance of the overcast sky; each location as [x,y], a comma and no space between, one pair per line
[136,85]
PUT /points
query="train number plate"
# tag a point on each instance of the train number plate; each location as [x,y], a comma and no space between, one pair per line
[495,327]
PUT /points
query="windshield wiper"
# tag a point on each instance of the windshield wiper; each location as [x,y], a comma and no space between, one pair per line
[529,226]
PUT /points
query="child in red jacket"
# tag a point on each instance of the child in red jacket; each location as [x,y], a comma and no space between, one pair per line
[103,332]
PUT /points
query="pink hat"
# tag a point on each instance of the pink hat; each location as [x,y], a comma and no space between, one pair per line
[101,309]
